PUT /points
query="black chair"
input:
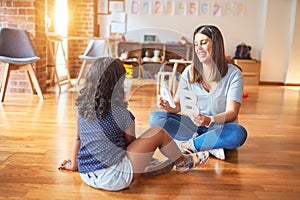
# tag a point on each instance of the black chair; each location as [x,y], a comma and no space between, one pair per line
[95,49]
[17,53]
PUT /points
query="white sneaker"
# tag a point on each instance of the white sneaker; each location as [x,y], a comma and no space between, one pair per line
[186,146]
[218,153]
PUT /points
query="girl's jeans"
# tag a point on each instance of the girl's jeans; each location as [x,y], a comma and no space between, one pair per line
[180,127]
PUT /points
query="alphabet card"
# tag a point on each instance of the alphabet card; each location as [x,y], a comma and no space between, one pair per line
[166,94]
[188,102]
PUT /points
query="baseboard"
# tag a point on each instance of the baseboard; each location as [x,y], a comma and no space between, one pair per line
[278,83]
[271,83]
[292,84]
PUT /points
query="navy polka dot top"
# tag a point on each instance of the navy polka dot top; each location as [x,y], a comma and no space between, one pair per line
[102,142]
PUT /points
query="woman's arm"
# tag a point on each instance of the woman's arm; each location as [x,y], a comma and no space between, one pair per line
[230,115]
[69,164]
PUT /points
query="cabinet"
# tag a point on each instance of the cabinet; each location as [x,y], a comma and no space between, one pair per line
[250,70]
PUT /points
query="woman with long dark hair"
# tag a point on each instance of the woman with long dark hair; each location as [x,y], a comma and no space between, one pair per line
[217,88]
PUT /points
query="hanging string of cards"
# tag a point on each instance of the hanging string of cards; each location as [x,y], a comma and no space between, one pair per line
[188,7]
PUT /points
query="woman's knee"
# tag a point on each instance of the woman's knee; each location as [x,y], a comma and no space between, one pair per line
[241,134]
[237,135]
[157,118]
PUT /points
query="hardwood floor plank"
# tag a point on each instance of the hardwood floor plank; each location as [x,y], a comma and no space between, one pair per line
[35,136]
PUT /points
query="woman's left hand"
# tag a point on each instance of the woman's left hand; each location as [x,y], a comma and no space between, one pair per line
[200,120]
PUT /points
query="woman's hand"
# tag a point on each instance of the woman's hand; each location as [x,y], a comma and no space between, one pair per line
[68,165]
[200,120]
[163,104]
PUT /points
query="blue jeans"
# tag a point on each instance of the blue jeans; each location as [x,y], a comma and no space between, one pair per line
[180,127]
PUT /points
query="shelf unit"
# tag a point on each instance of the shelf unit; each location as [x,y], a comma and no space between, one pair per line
[135,53]
[250,70]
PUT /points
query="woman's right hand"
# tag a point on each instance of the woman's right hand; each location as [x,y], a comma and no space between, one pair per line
[68,165]
[163,104]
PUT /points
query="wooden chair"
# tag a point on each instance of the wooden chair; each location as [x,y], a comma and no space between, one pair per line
[17,53]
[95,49]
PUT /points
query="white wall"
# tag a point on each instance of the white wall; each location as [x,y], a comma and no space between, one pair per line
[235,29]
[271,27]
[277,40]
[293,74]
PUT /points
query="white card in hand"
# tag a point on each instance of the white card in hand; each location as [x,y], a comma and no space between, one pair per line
[188,102]
[166,94]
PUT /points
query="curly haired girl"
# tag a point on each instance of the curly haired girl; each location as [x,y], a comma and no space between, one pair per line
[107,153]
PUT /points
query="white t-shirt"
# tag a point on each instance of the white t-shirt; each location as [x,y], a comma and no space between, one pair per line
[229,88]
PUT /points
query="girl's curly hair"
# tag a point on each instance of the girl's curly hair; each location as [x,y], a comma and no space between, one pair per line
[104,87]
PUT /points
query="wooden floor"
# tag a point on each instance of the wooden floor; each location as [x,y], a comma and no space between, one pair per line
[35,136]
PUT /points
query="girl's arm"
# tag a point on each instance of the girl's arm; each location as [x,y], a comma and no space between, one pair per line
[130,134]
[68,164]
